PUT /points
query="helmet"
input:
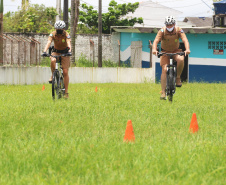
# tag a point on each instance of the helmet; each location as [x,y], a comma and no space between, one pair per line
[170,20]
[59,25]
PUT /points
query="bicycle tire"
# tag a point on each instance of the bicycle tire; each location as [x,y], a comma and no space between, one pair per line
[55,85]
[62,87]
[170,84]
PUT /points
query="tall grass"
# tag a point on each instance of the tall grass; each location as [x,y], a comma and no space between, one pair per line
[80,140]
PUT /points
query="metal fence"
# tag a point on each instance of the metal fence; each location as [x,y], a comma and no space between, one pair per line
[20,50]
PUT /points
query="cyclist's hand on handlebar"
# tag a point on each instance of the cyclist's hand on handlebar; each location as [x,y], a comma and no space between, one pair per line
[155,52]
[187,52]
[69,54]
[44,54]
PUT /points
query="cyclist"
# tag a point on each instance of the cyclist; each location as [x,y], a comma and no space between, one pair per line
[62,44]
[169,37]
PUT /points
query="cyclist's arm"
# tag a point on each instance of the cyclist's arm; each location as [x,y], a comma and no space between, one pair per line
[47,45]
[186,43]
[158,38]
[68,40]
[69,44]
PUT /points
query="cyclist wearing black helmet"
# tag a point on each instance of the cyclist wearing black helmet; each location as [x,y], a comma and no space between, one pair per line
[62,44]
[169,37]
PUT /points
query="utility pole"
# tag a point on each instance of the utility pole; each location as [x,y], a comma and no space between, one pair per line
[58,9]
[1,32]
[65,17]
[100,35]
[74,23]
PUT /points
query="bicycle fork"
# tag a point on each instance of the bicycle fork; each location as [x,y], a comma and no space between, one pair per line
[171,78]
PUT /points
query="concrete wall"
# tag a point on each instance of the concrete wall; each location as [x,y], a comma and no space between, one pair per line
[25,53]
[40,75]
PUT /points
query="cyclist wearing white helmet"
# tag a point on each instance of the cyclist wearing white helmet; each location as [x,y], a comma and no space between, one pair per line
[62,44]
[169,37]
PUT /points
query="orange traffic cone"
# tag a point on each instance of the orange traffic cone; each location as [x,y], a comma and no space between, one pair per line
[194,124]
[129,134]
[96,89]
[43,87]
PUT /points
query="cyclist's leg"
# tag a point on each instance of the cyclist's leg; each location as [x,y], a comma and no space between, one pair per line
[164,61]
[180,67]
[52,65]
[65,66]
[163,77]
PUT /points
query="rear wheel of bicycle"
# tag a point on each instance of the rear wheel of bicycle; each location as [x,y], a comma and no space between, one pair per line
[55,85]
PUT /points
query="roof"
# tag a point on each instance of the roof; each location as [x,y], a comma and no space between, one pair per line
[199,21]
[193,30]
[220,2]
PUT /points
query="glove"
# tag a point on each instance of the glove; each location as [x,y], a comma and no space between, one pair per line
[69,54]
[44,54]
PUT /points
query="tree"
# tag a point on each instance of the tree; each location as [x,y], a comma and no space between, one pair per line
[89,16]
[74,21]
[36,18]
[25,4]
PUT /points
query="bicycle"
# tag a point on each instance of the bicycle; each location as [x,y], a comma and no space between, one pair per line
[171,74]
[58,88]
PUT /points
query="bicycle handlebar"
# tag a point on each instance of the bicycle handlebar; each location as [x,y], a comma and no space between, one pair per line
[58,56]
[170,54]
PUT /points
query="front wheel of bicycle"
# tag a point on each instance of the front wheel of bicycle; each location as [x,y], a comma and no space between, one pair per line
[62,87]
[55,85]
[170,85]
[170,97]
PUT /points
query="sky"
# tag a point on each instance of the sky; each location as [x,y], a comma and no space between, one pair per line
[191,8]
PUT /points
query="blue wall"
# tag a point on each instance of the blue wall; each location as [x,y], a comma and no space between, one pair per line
[201,45]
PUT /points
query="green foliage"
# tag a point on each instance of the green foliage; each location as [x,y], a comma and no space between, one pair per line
[45,62]
[89,16]
[39,19]
[84,62]
[36,18]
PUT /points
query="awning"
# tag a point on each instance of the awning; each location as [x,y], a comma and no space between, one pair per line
[193,30]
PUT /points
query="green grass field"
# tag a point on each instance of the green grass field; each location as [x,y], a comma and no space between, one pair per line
[80,140]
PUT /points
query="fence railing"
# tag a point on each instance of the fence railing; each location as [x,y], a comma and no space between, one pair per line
[20,50]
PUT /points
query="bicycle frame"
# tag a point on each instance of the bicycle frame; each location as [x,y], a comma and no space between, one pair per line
[58,88]
[171,75]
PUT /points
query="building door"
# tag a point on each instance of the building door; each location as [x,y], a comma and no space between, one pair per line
[136,54]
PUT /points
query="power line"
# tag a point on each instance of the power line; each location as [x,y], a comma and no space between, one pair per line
[206,4]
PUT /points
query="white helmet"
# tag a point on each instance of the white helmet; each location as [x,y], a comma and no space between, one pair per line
[170,20]
[59,25]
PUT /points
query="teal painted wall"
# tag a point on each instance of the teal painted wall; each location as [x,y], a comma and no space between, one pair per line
[199,43]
